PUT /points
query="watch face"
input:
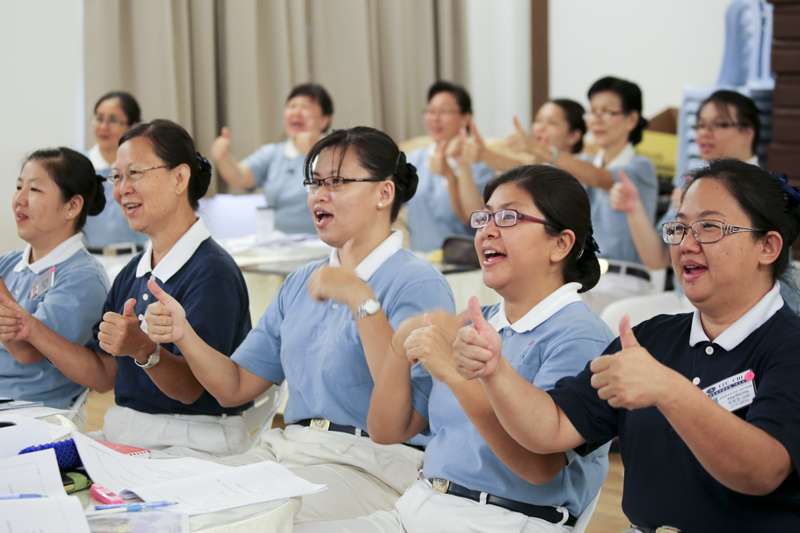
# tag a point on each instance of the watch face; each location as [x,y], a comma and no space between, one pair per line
[371,306]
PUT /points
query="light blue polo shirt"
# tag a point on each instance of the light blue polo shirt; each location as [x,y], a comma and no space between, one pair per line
[610,226]
[316,345]
[69,308]
[110,226]
[557,338]
[278,169]
[431,218]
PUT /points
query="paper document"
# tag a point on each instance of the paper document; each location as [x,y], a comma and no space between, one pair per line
[236,487]
[43,515]
[39,411]
[31,473]
[8,406]
[146,522]
[16,438]
[118,472]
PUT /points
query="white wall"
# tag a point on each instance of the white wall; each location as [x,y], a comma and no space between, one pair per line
[499,63]
[660,44]
[40,89]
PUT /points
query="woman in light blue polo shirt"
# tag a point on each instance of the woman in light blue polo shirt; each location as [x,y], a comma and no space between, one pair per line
[536,249]
[328,330]
[278,168]
[54,278]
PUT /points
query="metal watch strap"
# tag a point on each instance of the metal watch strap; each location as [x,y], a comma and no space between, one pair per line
[370,307]
[152,359]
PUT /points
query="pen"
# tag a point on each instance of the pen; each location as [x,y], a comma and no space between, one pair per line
[19,496]
[133,507]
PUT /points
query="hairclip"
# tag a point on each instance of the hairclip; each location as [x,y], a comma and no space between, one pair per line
[792,194]
[589,244]
[202,163]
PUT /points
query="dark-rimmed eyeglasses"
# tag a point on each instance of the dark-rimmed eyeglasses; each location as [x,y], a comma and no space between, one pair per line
[704,231]
[335,183]
[503,218]
[603,114]
[714,126]
[112,121]
[133,175]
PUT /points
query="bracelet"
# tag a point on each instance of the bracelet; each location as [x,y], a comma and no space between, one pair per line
[554,153]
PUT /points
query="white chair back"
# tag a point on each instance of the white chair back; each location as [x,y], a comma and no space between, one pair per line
[258,418]
[586,515]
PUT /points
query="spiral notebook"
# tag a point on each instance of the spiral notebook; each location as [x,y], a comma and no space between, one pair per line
[132,451]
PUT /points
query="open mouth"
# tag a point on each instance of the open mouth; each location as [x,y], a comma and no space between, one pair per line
[490,257]
[131,208]
[21,218]
[322,218]
[692,272]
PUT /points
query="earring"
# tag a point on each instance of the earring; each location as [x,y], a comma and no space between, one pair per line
[70,214]
[380,205]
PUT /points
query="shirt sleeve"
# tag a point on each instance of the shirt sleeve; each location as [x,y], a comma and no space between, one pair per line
[260,162]
[642,172]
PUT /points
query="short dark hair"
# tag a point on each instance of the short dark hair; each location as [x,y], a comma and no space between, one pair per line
[564,203]
[746,111]
[318,94]
[573,112]
[128,103]
[377,153]
[459,93]
[74,175]
[174,146]
[762,198]
[631,97]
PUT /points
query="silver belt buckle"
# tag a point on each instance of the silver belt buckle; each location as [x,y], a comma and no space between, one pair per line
[667,529]
[320,424]
[442,485]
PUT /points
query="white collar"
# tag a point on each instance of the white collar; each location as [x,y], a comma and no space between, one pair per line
[753,160]
[376,257]
[622,159]
[556,301]
[742,328]
[179,254]
[98,161]
[57,255]
[290,150]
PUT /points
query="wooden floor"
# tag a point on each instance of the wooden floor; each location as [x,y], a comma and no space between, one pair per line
[607,518]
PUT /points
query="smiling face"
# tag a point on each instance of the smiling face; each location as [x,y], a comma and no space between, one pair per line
[303,114]
[719,275]
[443,117]
[550,127]
[613,130]
[735,142]
[42,216]
[106,135]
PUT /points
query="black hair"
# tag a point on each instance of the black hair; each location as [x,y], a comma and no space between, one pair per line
[174,146]
[746,111]
[564,203]
[128,103]
[762,198]
[631,97]
[573,112]
[318,94]
[74,175]
[459,93]
[377,153]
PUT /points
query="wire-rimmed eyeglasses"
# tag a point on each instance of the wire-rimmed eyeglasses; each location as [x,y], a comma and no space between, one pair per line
[133,175]
[705,231]
[503,218]
[334,183]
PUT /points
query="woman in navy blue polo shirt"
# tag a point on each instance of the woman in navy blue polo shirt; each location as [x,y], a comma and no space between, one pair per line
[706,404]
[158,178]
[328,330]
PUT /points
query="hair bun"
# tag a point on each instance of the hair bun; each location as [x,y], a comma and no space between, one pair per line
[412,180]
[203,178]
[97,203]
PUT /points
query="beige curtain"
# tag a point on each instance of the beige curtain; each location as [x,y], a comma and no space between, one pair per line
[213,63]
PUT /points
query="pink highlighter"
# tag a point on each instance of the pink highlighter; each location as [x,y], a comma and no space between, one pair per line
[104,495]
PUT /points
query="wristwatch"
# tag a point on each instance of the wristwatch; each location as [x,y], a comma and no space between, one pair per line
[152,359]
[368,308]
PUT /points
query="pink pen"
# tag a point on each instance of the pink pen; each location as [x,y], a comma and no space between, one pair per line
[104,495]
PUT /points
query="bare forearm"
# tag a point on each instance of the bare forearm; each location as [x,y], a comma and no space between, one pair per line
[502,161]
[391,409]
[375,331]
[234,173]
[470,196]
[23,352]
[739,455]
[585,172]
[173,376]
[455,198]
[532,467]
[651,248]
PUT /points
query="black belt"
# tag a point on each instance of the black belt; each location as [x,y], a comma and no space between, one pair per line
[631,271]
[547,513]
[664,529]
[323,424]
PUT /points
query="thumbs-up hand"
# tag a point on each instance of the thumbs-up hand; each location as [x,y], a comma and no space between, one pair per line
[15,320]
[474,146]
[519,141]
[122,335]
[477,348]
[166,318]
[429,346]
[438,160]
[623,195]
[630,378]
[221,145]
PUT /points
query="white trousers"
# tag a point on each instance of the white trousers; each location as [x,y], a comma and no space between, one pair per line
[614,286]
[202,436]
[362,477]
[425,510]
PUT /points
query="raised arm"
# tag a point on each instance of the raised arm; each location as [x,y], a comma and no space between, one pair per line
[228,382]
[466,154]
[232,171]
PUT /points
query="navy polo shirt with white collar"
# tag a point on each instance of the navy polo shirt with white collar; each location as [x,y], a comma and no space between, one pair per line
[209,285]
[664,482]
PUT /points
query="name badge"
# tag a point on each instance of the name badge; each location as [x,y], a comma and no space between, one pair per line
[734,392]
[44,283]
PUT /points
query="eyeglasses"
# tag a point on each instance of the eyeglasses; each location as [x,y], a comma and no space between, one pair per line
[111,121]
[602,114]
[503,218]
[705,231]
[132,175]
[714,126]
[430,112]
[335,183]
